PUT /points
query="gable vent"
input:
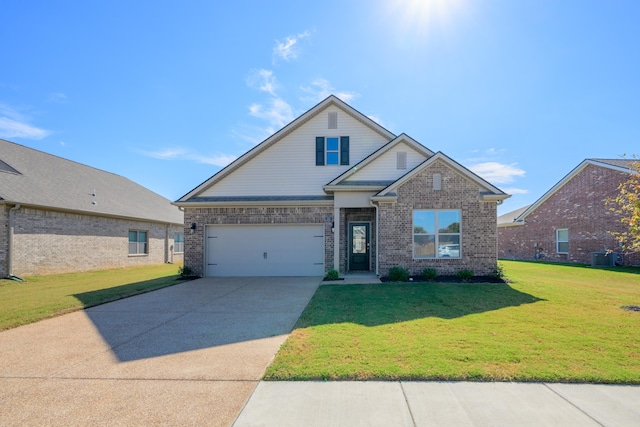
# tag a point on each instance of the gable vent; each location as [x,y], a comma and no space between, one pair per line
[437,182]
[333,120]
[401,160]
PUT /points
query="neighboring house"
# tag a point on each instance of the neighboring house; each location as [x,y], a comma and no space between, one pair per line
[335,190]
[571,221]
[60,216]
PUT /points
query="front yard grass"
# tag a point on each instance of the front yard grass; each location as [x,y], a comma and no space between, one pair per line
[41,297]
[555,323]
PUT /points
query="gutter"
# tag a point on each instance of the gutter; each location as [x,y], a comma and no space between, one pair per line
[12,213]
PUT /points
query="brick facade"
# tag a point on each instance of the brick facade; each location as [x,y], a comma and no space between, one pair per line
[194,243]
[578,206]
[4,240]
[478,223]
[51,242]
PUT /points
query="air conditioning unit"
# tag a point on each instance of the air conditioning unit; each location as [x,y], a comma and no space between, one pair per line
[604,259]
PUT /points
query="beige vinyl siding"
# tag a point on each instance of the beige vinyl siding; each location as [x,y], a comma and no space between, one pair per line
[385,167]
[288,167]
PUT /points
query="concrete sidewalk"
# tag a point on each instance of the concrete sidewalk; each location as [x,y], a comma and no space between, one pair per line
[440,404]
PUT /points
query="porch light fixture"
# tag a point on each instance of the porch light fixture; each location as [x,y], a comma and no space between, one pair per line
[193,227]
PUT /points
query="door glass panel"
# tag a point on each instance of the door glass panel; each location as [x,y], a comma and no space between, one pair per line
[359,233]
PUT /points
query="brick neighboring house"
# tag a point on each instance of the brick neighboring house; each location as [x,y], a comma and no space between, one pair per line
[335,190]
[570,221]
[60,216]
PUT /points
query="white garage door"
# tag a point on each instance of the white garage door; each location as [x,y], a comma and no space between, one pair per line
[265,250]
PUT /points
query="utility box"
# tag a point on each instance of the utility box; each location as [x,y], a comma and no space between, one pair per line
[605,259]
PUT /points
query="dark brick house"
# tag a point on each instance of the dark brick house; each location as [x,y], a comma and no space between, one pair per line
[571,221]
[335,190]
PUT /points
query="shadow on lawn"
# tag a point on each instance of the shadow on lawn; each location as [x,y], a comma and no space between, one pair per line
[374,305]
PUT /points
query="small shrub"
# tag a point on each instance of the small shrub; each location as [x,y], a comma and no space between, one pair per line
[498,271]
[398,274]
[185,271]
[429,274]
[333,274]
[464,275]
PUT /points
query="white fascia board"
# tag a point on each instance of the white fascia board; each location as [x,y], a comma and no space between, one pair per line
[255,203]
[379,152]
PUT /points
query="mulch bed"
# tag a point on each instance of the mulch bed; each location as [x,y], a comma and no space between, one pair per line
[452,279]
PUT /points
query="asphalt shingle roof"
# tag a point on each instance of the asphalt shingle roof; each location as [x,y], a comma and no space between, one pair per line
[35,178]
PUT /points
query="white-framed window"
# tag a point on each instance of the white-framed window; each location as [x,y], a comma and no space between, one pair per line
[332,150]
[436,233]
[562,241]
[138,242]
[178,242]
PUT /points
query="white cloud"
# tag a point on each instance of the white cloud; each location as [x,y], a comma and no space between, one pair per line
[264,80]
[376,119]
[57,98]
[321,88]
[277,113]
[181,153]
[498,173]
[287,49]
[515,191]
[10,128]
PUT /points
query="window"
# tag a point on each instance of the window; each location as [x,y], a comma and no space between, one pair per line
[332,150]
[436,234]
[178,242]
[138,244]
[562,241]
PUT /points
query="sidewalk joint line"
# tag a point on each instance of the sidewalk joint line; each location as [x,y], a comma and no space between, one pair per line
[406,400]
[573,404]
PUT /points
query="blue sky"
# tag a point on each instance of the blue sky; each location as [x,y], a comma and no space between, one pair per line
[167,93]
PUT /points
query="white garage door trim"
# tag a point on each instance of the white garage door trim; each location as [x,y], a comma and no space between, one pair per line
[264,250]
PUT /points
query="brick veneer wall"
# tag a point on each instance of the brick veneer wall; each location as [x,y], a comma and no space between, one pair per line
[578,206]
[478,223]
[194,243]
[4,240]
[50,242]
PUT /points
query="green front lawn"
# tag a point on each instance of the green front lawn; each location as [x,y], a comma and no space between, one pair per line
[551,323]
[40,297]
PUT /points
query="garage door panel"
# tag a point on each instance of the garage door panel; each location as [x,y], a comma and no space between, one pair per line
[265,250]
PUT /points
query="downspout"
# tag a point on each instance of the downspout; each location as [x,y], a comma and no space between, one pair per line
[12,212]
[377,238]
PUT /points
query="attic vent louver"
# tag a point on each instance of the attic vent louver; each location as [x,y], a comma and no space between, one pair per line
[437,182]
[401,160]
[333,120]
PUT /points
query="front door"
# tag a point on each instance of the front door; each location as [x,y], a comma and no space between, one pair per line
[359,246]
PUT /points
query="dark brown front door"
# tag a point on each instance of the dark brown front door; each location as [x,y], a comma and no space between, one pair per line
[359,246]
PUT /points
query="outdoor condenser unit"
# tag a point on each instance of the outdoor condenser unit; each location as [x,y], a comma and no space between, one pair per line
[604,259]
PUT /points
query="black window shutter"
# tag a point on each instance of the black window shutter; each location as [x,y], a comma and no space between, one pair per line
[344,150]
[319,150]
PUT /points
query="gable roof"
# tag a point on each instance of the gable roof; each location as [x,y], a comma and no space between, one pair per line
[619,165]
[402,138]
[509,218]
[34,178]
[491,193]
[273,139]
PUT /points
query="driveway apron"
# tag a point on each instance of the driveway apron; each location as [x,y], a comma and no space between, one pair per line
[190,354]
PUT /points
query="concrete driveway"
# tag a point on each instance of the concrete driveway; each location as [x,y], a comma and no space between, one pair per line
[190,354]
